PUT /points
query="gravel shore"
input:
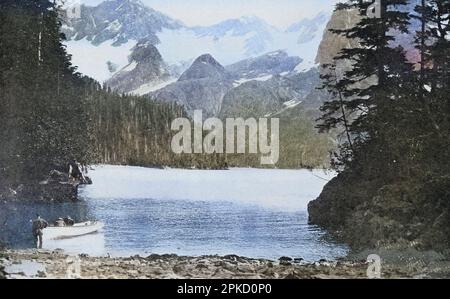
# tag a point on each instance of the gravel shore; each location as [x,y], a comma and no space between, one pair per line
[57,264]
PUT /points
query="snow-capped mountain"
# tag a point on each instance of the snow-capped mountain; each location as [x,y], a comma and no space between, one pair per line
[118,21]
[259,35]
[307,29]
[103,38]
[101,41]
[146,71]
[239,39]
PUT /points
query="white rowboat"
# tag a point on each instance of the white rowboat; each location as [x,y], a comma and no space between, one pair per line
[77,230]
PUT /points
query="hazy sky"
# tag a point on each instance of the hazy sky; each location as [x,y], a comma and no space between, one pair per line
[281,13]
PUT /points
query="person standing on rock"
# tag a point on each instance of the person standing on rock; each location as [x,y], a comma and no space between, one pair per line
[74,170]
[38,226]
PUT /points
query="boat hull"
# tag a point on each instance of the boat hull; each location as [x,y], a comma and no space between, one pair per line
[67,232]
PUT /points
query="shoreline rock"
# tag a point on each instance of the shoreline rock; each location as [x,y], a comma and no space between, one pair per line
[55,188]
[58,192]
[372,214]
[56,264]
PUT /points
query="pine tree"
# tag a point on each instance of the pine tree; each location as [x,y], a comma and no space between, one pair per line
[45,115]
[372,91]
[433,44]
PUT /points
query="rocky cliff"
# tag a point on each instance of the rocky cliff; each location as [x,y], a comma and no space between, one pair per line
[333,43]
[370,214]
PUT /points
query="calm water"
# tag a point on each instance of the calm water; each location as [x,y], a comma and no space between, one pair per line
[254,213]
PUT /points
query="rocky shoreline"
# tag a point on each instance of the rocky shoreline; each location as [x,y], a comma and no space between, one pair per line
[56,187]
[56,265]
[408,214]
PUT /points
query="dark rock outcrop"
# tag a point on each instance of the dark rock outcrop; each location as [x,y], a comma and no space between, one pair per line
[372,214]
[55,188]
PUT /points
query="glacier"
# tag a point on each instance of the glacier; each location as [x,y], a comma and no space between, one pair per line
[92,60]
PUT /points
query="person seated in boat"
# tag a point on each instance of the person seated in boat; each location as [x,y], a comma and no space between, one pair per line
[60,222]
[37,228]
[69,221]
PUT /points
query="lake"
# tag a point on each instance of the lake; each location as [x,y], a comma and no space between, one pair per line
[256,213]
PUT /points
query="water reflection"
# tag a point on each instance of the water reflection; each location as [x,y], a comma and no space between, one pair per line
[93,245]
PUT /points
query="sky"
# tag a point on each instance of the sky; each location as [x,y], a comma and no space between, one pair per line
[280,13]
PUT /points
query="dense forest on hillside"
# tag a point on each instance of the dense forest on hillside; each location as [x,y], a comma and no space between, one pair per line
[394,182]
[43,114]
[133,130]
[301,144]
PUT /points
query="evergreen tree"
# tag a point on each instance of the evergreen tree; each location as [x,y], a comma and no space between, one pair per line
[433,44]
[44,117]
[373,91]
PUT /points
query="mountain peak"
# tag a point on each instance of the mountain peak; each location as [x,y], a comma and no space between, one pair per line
[146,67]
[205,67]
[208,59]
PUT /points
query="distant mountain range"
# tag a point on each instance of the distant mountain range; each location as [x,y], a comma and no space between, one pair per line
[238,67]
[257,87]
[101,41]
[232,67]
